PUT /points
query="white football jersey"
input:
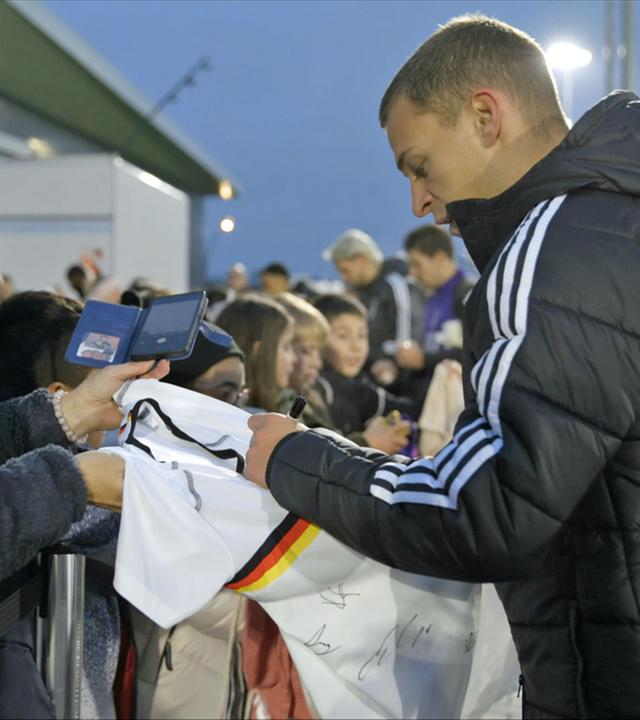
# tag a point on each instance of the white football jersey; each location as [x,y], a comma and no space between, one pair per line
[368,641]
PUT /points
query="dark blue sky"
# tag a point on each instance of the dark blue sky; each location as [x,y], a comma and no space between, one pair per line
[290,108]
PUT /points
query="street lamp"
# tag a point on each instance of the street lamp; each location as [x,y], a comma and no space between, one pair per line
[566,57]
[227,224]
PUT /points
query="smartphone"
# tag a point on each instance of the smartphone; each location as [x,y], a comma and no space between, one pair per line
[170,327]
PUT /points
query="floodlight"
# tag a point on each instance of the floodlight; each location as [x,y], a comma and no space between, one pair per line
[227,224]
[40,148]
[225,190]
[567,56]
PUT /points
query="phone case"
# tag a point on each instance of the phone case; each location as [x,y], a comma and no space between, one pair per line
[106,333]
[103,334]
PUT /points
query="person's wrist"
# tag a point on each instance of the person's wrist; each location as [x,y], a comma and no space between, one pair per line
[74,414]
[115,484]
[299,429]
[103,475]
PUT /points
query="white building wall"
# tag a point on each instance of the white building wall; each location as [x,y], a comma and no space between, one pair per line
[151,228]
[53,210]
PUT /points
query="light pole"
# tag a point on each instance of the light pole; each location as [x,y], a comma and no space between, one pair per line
[566,57]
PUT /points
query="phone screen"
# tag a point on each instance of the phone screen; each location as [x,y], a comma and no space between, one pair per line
[168,327]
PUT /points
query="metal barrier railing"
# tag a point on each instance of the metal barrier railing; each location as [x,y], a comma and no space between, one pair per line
[60,635]
[54,585]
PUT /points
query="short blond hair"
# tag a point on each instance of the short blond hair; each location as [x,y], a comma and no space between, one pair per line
[475,51]
[307,320]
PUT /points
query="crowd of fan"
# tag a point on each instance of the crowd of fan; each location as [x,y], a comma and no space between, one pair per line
[377,362]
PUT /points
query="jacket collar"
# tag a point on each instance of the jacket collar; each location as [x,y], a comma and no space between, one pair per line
[601,151]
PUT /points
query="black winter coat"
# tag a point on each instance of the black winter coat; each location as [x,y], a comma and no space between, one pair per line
[394,305]
[354,402]
[539,491]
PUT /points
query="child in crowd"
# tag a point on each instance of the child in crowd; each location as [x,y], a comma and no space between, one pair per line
[310,333]
[263,331]
[214,368]
[355,403]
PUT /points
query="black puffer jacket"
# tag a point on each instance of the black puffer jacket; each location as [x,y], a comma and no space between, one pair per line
[540,489]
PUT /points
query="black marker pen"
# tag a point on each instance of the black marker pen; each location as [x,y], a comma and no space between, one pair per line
[297,406]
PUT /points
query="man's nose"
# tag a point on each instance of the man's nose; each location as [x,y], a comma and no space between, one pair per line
[421,200]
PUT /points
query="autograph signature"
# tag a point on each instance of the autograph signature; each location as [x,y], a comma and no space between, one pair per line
[470,642]
[408,632]
[319,646]
[336,596]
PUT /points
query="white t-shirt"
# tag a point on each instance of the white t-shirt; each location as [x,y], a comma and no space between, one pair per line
[367,640]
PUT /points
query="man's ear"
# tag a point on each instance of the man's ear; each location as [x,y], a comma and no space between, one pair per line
[486,107]
[57,385]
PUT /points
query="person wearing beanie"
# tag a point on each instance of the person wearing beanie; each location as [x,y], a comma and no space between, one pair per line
[214,368]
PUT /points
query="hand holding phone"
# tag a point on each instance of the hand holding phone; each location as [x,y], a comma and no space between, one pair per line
[109,334]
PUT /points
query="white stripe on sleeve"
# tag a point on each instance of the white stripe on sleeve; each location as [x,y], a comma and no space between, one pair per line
[402,296]
[438,481]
